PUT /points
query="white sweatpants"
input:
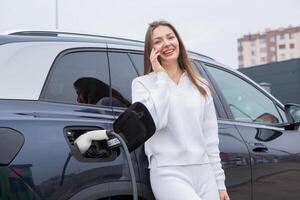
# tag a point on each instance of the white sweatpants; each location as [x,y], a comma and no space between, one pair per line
[186,182]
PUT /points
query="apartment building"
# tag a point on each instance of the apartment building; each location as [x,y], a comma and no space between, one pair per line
[270,46]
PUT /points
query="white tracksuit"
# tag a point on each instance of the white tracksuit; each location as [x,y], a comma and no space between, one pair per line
[184,148]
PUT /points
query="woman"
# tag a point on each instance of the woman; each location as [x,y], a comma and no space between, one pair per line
[183,153]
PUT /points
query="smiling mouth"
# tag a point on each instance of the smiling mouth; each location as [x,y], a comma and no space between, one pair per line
[168,52]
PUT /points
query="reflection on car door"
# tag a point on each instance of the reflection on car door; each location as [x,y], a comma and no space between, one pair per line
[275,152]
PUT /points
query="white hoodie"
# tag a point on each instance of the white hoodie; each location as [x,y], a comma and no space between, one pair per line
[186,123]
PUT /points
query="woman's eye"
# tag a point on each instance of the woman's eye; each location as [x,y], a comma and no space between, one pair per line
[156,42]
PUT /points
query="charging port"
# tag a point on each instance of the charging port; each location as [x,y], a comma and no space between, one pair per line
[99,151]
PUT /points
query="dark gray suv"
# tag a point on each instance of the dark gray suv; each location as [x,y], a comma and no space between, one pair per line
[56,86]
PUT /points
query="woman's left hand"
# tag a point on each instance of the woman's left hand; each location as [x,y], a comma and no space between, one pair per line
[223,195]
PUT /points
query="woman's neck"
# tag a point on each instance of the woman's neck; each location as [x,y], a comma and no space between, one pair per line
[173,70]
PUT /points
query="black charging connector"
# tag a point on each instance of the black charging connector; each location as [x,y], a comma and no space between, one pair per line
[112,141]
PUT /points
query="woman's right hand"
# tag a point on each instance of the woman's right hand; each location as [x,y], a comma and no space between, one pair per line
[156,66]
[223,195]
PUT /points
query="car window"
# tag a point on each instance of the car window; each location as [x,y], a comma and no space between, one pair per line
[138,61]
[122,73]
[79,77]
[245,101]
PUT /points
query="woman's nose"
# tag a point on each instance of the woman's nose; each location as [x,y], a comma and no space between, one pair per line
[166,43]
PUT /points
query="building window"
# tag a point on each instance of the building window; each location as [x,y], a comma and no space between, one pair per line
[263,50]
[291,55]
[240,43]
[282,36]
[282,46]
[282,56]
[272,39]
[252,53]
[240,49]
[291,36]
[272,48]
[262,41]
[263,59]
[292,45]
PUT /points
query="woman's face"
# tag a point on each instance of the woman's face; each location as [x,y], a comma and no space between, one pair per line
[166,42]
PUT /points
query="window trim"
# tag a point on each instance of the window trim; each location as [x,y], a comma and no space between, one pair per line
[131,59]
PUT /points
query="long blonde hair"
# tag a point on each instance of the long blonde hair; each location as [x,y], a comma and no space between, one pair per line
[183,60]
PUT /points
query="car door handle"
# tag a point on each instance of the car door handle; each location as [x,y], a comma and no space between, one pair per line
[259,147]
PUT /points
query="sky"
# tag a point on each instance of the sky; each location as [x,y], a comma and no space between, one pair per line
[209,27]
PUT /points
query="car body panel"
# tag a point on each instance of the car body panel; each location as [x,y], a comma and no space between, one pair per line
[275,161]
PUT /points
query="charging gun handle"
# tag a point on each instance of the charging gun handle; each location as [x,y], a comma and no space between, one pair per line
[84,141]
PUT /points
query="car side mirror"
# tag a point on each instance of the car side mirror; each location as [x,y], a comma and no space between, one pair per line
[292,112]
[135,125]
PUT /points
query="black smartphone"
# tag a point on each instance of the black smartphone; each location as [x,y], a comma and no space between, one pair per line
[159,59]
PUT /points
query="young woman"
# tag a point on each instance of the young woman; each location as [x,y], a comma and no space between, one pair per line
[183,153]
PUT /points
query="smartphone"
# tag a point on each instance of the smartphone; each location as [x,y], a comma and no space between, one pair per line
[159,59]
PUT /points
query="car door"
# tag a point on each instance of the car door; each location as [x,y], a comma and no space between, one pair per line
[259,118]
[233,151]
[68,107]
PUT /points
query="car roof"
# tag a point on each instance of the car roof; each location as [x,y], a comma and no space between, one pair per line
[48,36]
[60,36]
